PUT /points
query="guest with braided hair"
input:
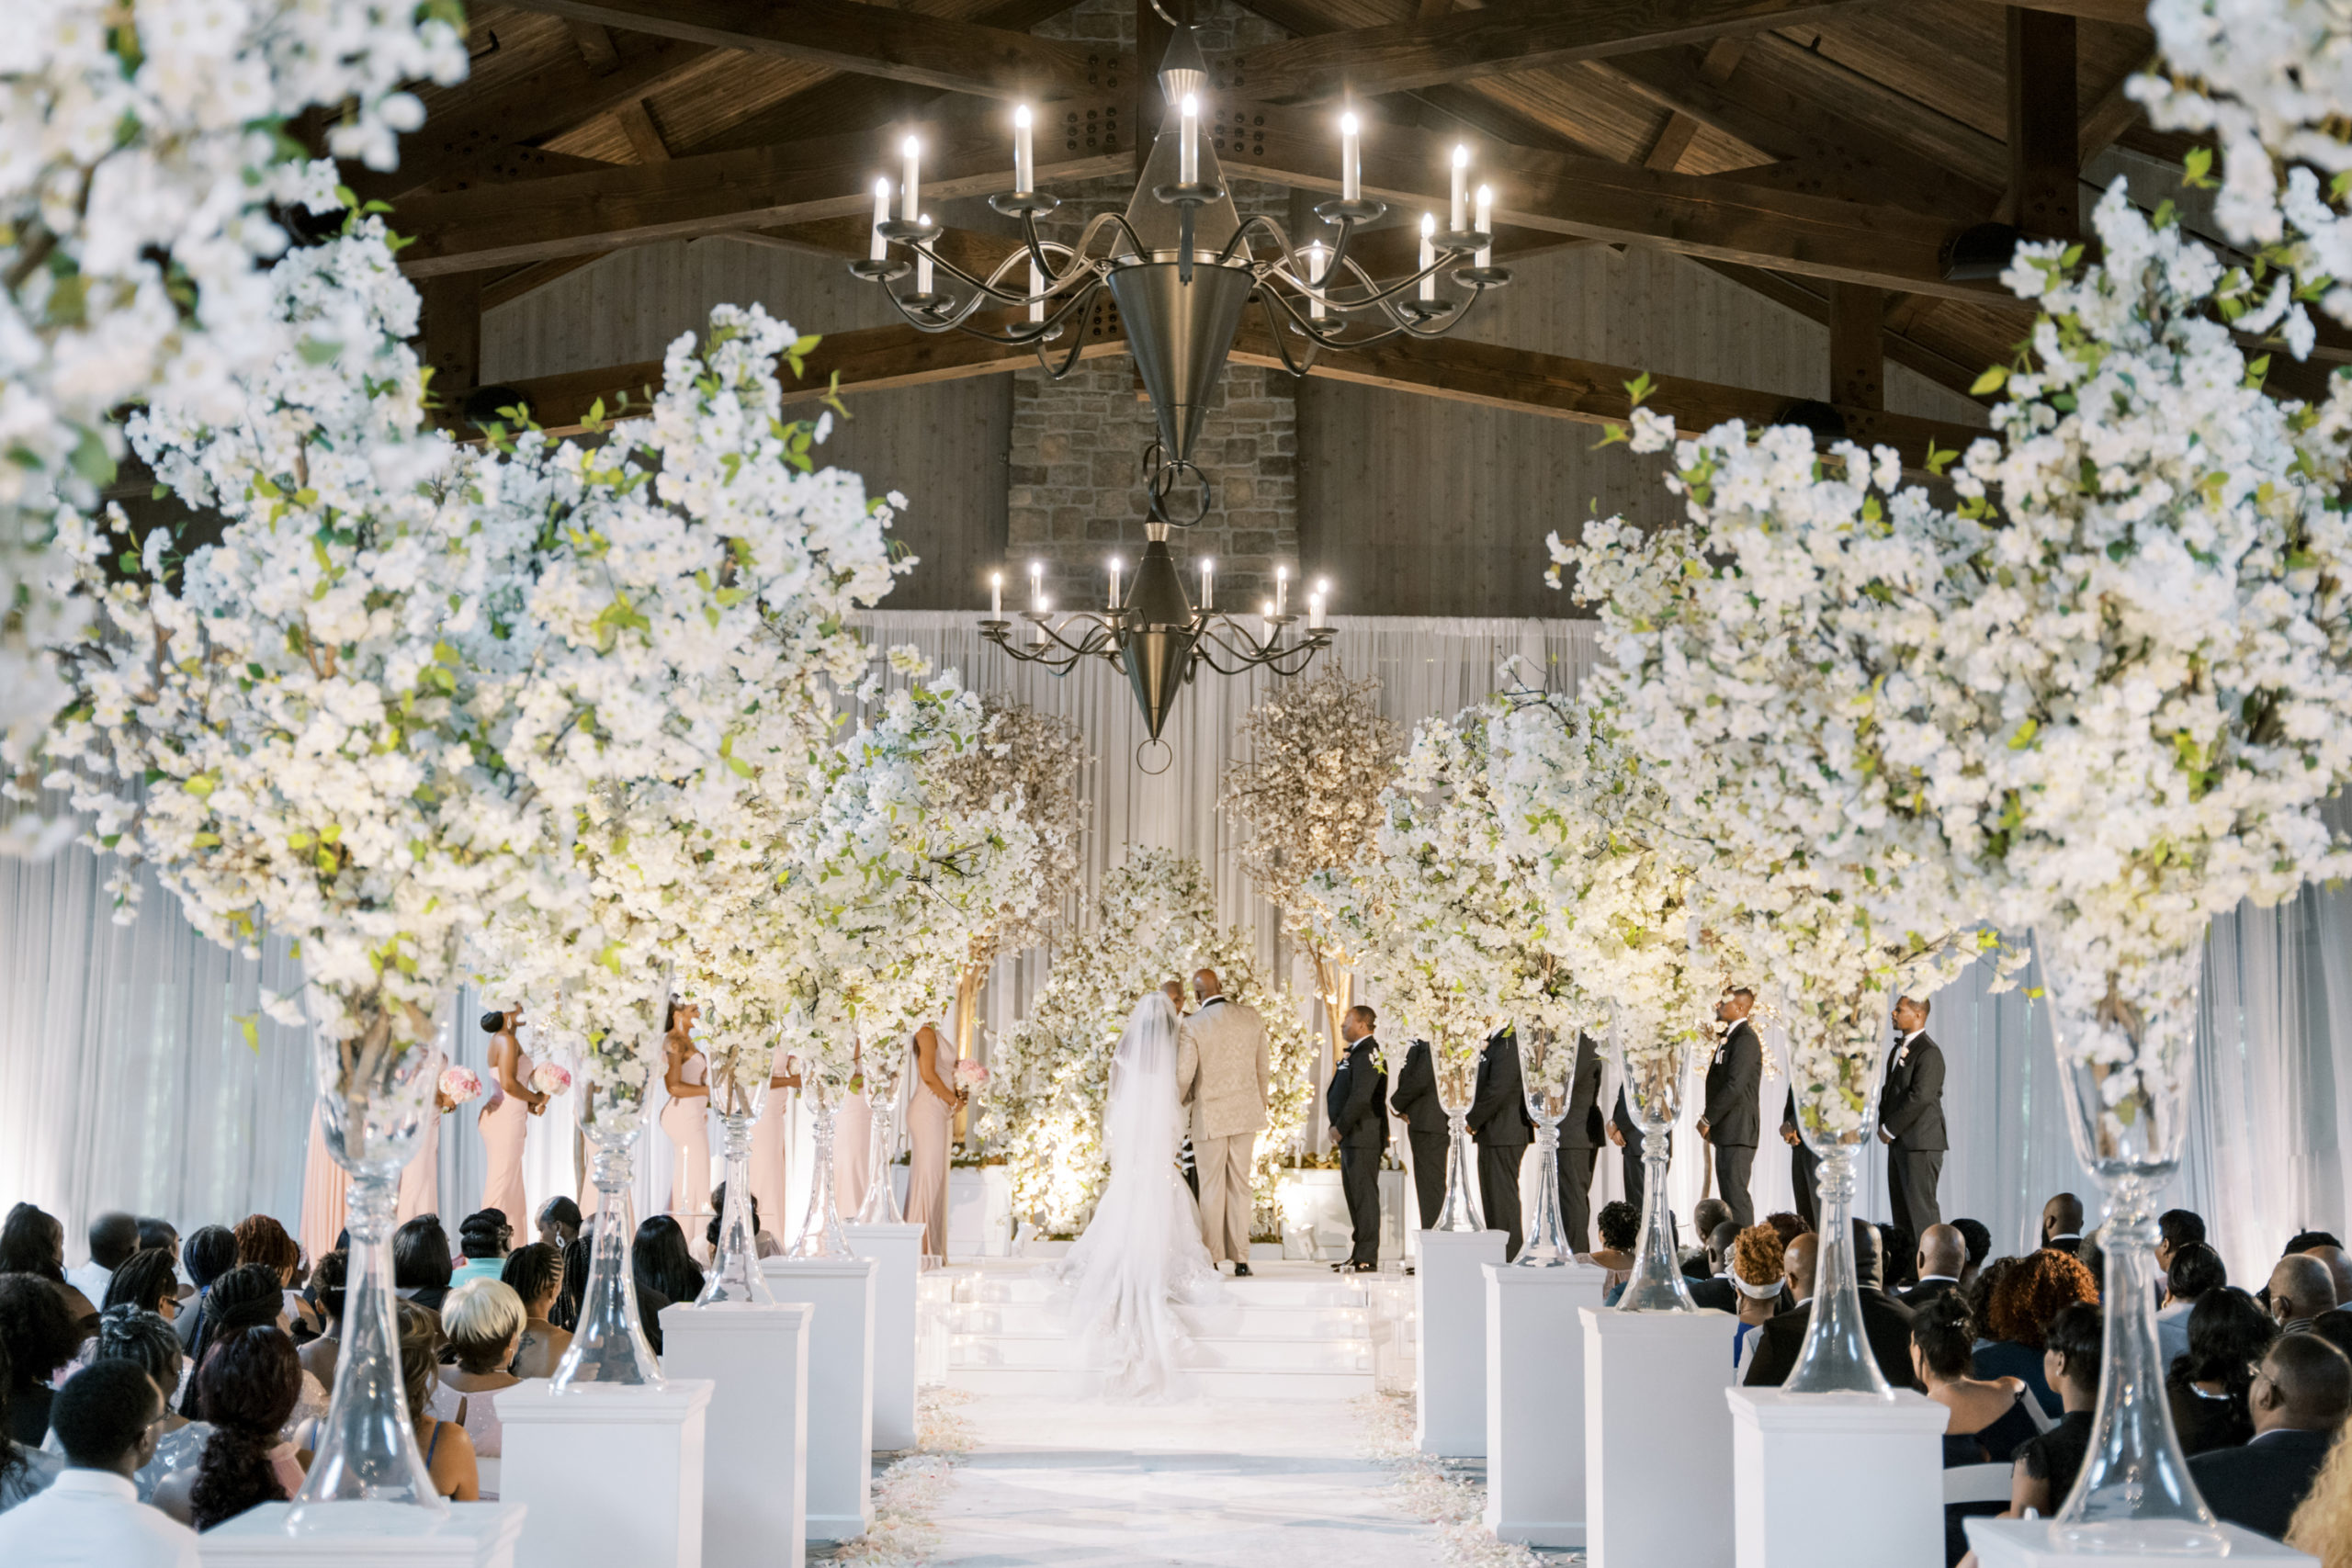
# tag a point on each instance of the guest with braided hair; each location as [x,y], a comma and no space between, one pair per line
[209,1252]
[146,1280]
[262,1240]
[535,1272]
[320,1355]
[246,1388]
[144,1339]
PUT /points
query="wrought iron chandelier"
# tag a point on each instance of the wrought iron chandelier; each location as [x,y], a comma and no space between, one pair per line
[1156,635]
[1183,265]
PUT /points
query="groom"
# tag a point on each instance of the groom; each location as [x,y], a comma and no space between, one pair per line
[1222,1073]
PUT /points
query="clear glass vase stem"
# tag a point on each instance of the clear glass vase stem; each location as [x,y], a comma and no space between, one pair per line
[367,1452]
[881,1205]
[1836,1357]
[1655,1284]
[820,1233]
[608,1345]
[1547,1236]
[735,1273]
[1457,1215]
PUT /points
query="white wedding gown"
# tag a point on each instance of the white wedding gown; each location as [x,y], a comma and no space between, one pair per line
[1141,1255]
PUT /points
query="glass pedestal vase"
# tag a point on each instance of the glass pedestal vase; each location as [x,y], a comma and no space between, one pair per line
[881,1205]
[2125,1063]
[1656,1079]
[608,1345]
[1455,1082]
[735,1273]
[1838,1065]
[820,1233]
[1547,1076]
[376,1094]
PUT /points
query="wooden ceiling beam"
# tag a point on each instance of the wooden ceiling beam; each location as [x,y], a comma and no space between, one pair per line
[2045,133]
[1810,299]
[2122,13]
[868,41]
[1512,36]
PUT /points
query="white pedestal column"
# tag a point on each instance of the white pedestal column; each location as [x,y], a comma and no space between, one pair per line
[841,1387]
[2026,1543]
[369,1535]
[1658,1438]
[611,1473]
[755,1485]
[1535,1401]
[899,1249]
[1450,1369]
[1875,1466]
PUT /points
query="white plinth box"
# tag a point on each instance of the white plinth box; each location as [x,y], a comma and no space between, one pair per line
[899,1249]
[1450,1365]
[755,1480]
[841,1387]
[2027,1543]
[366,1535]
[563,1449]
[1534,1394]
[1875,1466]
[1657,1445]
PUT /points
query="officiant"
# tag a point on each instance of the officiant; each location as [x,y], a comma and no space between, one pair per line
[1360,1127]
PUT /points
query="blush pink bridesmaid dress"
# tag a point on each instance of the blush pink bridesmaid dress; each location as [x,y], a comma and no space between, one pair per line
[505,1125]
[686,1122]
[930,1131]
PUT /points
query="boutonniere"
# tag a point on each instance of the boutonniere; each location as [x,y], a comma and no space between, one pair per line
[1900,1053]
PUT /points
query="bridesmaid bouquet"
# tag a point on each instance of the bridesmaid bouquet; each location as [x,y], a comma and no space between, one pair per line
[460,1085]
[550,1078]
[971,1076]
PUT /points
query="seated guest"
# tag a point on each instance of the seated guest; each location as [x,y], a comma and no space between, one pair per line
[535,1273]
[2339,1270]
[2302,1393]
[1786,1225]
[143,1338]
[483,1319]
[38,1330]
[2195,1269]
[483,1236]
[1988,1419]
[566,1313]
[2335,1325]
[32,1241]
[1943,1253]
[1979,1241]
[146,1280]
[1702,1262]
[2300,1290]
[2061,1224]
[1885,1321]
[2019,1306]
[2208,1385]
[113,1237]
[320,1355]
[2047,1465]
[246,1388]
[262,1240]
[763,1243]
[2177,1228]
[1619,1224]
[1901,1250]
[160,1235]
[1759,1277]
[662,1262]
[24,1471]
[448,1453]
[1714,1290]
[558,1222]
[245,1297]
[421,1266]
[91,1515]
[209,1252]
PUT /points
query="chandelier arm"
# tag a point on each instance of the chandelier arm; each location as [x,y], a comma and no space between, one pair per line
[1082,304]
[921,323]
[1269,301]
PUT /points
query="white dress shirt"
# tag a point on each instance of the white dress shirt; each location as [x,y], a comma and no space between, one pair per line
[91,1279]
[93,1519]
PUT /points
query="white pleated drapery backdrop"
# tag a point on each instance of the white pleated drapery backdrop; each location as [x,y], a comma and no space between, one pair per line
[126,1081]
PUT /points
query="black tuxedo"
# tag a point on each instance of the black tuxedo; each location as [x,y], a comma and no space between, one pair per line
[2261,1484]
[2069,1245]
[1360,1123]
[1582,1132]
[1734,1076]
[1925,1291]
[1885,1321]
[1416,1101]
[1630,1157]
[1911,1110]
[1715,1291]
[1502,1128]
[1805,1167]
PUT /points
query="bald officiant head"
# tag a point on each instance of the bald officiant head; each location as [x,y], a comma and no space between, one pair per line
[1206,984]
[2062,1224]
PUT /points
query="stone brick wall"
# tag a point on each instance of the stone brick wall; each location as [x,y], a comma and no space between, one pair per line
[1076,496]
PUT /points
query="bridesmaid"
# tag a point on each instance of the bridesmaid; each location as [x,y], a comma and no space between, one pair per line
[685,1073]
[504,1120]
[421,1178]
[931,1111]
[325,1186]
[769,1136]
[852,1148]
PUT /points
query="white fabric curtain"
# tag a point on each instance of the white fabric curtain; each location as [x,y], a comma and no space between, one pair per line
[125,1080]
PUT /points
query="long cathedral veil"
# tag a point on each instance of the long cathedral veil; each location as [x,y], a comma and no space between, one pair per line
[1142,1252]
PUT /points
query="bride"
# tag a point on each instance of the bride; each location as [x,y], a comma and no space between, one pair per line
[1142,1252]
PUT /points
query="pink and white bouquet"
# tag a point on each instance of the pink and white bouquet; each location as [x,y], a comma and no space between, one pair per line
[460,1084]
[550,1078]
[971,1076]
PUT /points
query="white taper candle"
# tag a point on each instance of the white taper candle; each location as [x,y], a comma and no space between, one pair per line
[1188,142]
[922,264]
[1460,206]
[881,250]
[1024,161]
[911,183]
[1036,291]
[996,596]
[1038,586]
[1485,225]
[1428,255]
[1208,583]
[1351,159]
[1316,260]
[1282,589]
[1114,583]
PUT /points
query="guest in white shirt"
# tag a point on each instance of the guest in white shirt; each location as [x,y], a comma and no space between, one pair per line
[91,1515]
[113,1237]
[2195,1269]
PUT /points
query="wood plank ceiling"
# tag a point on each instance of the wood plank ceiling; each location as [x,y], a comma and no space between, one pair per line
[1820,153]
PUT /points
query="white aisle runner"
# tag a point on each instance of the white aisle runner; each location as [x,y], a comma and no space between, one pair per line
[1211,1482]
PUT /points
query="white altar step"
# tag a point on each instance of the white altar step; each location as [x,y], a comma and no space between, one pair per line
[1297,1289]
[1239,1320]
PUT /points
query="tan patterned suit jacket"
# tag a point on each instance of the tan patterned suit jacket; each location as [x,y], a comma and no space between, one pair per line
[1222,1070]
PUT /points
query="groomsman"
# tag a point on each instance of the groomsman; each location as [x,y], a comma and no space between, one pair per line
[1425,1133]
[1911,1120]
[1804,1166]
[1502,1128]
[1626,1133]
[1728,1122]
[1360,1126]
[1580,1137]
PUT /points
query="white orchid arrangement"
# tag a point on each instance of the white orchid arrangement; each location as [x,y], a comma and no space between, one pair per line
[1034,758]
[141,152]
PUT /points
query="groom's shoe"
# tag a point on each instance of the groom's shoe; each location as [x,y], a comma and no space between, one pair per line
[1241,1270]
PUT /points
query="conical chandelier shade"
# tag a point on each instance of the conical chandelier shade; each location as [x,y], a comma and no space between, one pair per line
[1159,653]
[1180,334]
